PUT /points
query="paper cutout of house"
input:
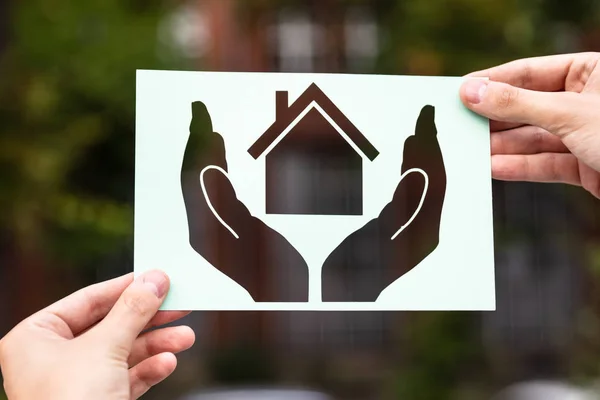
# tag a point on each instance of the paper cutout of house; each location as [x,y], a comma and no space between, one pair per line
[311,129]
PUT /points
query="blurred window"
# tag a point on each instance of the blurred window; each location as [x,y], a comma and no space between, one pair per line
[361,38]
[296,41]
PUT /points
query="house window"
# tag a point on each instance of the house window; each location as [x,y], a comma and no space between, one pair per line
[312,39]
[361,38]
[296,41]
[184,33]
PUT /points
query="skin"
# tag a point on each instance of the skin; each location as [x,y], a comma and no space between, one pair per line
[91,344]
[545,118]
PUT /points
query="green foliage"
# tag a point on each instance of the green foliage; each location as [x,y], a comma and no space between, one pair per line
[90,48]
[453,37]
[67,121]
[441,347]
[241,365]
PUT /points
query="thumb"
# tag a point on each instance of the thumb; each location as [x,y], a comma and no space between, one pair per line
[135,308]
[499,101]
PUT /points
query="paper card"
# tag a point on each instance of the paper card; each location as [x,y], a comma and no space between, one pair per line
[273,191]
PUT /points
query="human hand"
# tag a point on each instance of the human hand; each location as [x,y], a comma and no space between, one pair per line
[246,245]
[402,235]
[545,118]
[89,345]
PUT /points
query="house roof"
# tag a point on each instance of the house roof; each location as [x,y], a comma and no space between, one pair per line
[287,116]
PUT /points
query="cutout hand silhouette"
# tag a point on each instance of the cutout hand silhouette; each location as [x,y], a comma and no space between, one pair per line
[222,230]
[404,234]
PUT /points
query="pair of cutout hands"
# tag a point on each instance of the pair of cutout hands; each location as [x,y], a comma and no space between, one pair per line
[222,230]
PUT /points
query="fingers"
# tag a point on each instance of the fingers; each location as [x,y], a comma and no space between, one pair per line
[172,340]
[422,149]
[201,135]
[165,317]
[555,112]
[150,372]
[87,306]
[219,151]
[545,167]
[426,122]
[201,123]
[546,74]
[526,140]
[135,308]
[496,126]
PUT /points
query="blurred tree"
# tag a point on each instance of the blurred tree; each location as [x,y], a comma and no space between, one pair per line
[67,132]
[440,350]
[453,37]
[3,23]
[244,364]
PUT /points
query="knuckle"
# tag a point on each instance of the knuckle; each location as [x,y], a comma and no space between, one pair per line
[527,75]
[527,170]
[538,138]
[137,303]
[148,346]
[506,98]
[589,65]
[95,307]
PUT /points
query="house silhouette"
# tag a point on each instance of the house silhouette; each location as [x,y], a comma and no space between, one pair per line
[324,148]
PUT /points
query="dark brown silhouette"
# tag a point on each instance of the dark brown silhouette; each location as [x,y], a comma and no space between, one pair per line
[368,261]
[246,259]
[314,139]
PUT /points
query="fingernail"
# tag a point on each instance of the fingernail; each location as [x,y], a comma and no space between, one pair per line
[155,281]
[474,90]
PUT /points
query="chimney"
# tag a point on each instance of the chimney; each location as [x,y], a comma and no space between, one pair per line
[281,104]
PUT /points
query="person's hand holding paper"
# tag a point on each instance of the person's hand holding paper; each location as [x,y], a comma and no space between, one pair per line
[544,114]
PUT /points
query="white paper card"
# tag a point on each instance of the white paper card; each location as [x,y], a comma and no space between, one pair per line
[273,191]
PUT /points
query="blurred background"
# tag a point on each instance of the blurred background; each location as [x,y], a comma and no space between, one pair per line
[67,103]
